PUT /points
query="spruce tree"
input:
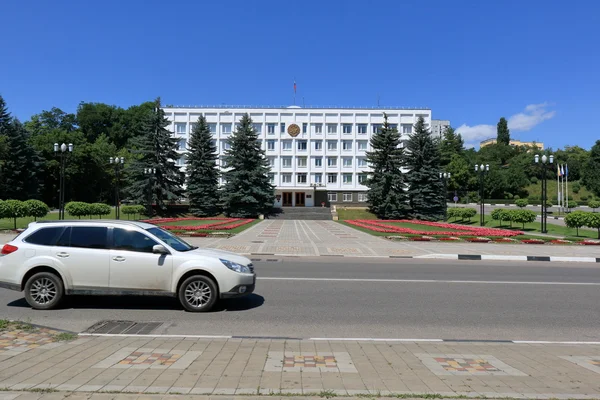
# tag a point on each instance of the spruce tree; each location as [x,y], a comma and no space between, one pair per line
[202,172]
[503,132]
[4,126]
[248,191]
[426,189]
[155,149]
[387,197]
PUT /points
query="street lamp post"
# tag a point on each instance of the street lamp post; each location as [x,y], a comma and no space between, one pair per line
[482,170]
[444,176]
[118,162]
[150,172]
[545,160]
[63,150]
[315,186]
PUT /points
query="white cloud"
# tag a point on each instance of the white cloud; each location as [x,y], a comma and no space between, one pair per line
[533,115]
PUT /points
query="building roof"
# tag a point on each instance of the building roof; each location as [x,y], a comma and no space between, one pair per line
[293,107]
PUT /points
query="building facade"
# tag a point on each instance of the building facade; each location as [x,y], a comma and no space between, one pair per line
[514,143]
[317,155]
[438,127]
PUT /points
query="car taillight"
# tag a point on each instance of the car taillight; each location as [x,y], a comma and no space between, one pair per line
[8,248]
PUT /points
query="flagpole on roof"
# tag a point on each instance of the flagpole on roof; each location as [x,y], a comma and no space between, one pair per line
[294,91]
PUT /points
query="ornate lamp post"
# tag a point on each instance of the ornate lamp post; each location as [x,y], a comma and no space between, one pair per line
[150,172]
[63,151]
[482,170]
[545,161]
[444,176]
[118,163]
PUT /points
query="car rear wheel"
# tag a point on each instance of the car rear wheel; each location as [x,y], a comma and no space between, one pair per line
[44,290]
[198,293]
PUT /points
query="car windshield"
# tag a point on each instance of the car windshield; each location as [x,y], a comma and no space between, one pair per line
[171,239]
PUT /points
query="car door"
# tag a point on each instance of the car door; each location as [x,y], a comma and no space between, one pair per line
[82,251]
[133,265]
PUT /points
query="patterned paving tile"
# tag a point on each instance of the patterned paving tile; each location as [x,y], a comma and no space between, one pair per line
[234,248]
[278,361]
[467,364]
[144,358]
[344,250]
[18,340]
[591,363]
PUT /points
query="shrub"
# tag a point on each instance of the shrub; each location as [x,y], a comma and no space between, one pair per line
[576,220]
[534,199]
[534,180]
[13,209]
[36,209]
[454,212]
[468,213]
[593,204]
[78,209]
[576,187]
[99,209]
[137,209]
[500,214]
[521,203]
[522,216]
[572,204]
[549,204]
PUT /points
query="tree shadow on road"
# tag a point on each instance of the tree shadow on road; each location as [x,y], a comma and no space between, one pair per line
[145,303]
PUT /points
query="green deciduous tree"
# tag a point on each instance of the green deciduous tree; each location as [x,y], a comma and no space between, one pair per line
[500,214]
[155,148]
[593,204]
[522,216]
[425,188]
[451,145]
[387,196]
[14,209]
[248,191]
[36,209]
[521,203]
[202,172]
[592,220]
[503,132]
[132,210]
[576,220]
[591,174]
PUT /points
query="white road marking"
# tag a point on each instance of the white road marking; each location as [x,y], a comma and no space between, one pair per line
[374,340]
[277,278]
[549,342]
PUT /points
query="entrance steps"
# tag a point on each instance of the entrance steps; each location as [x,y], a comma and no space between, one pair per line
[302,213]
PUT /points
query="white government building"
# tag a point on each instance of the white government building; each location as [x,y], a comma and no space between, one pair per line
[317,155]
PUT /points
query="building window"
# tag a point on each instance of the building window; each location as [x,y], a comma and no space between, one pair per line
[347,197]
[270,145]
[332,145]
[282,127]
[226,145]
[180,128]
[257,128]
[332,197]
[302,145]
[361,162]
[362,179]
[286,178]
[181,161]
[331,129]
[318,178]
[193,126]
[362,197]
[347,179]
[271,161]
[301,178]
[304,127]
[286,162]
[318,128]
[376,128]
[318,145]
[394,126]
[318,162]
[213,143]
[347,128]
[181,144]
[347,145]
[286,145]
[347,162]
[226,129]
[361,129]
[406,128]
[271,177]
[332,162]
[362,145]
[332,178]
[212,128]
[301,162]
[271,129]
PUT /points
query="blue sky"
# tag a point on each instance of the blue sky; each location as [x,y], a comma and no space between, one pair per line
[535,62]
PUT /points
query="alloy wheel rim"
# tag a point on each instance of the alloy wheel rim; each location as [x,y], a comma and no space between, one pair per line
[43,291]
[197,294]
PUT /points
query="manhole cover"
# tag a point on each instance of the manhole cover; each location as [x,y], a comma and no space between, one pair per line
[123,327]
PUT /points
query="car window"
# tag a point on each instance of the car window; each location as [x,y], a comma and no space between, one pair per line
[124,239]
[170,239]
[88,237]
[45,236]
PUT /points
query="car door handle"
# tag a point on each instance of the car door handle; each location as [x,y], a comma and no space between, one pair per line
[119,259]
[62,254]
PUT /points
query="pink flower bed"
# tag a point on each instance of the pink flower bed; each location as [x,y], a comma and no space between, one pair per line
[533,241]
[163,220]
[224,224]
[460,230]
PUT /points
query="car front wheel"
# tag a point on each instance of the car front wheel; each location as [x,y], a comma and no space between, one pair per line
[198,293]
[44,290]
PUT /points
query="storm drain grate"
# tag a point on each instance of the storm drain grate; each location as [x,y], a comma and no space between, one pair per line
[123,327]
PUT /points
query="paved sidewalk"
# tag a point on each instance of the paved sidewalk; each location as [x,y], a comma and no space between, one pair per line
[298,367]
[330,238]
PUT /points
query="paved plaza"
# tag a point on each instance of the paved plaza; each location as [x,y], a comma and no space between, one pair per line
[303,367]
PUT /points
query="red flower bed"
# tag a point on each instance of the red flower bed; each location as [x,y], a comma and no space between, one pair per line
[163,220]
[560,241]
[478,240]
[460,230]
[449,239]
[224,224]
[591,242]
[505,240]
[533,241]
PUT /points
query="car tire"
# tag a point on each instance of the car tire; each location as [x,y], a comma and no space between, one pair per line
[198,293]
[44,291]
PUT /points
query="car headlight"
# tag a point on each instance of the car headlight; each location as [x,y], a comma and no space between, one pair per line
[235,266]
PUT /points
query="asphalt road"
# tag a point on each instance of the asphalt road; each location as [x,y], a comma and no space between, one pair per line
[370,298]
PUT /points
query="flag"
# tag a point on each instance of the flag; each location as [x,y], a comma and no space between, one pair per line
[294,86]
[566,169]
[562,171]
[558,167]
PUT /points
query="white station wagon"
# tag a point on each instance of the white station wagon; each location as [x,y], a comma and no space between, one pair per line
[51,259]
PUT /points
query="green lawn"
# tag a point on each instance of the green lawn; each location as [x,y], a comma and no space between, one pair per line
[354,214]
[536,190]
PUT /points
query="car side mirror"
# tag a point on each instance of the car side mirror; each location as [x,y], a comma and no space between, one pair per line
[160,249]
